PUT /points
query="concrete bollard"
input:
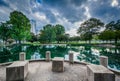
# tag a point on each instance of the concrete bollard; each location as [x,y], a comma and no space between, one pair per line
[48,55]
[104,61]
[71,57]
[22,56]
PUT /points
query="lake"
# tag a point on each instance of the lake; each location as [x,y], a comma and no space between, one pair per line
[86,53]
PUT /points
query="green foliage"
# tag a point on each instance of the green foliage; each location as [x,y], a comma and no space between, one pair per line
[32,38]
[95,37]
[5,31]
[20,26]
[86,36]
[114,27]
[89,28]
[75,38]
[47,34]
[59,31]
[64,38]
[51,33]
[107,35]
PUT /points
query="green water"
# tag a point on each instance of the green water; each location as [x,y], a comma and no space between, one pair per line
[81,53]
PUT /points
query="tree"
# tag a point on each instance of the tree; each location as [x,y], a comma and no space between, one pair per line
[114,27]
[107,35]
[75,38]
[86,37]
[20,26]
[59,31]
[47,34]
[63,37]
[32,38]
[90,27]
[5,31]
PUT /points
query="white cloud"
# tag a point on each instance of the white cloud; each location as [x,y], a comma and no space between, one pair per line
[114,3]
[87,13]
[55,12]
[70,15]
[72,32]
[4,14]
[73,28]
[40,16]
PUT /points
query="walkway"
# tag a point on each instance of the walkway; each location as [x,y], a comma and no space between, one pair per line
[41,71]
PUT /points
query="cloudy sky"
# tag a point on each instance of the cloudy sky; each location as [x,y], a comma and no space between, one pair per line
[69,13]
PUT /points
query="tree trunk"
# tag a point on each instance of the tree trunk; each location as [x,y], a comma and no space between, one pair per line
[16,41]
[115,51]
[58,42]
[5,42]
[89,41]
[19,41]
[115,40]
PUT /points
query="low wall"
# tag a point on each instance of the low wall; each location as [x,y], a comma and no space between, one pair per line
[76,62]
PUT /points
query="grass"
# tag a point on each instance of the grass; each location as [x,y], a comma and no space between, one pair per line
[75,43]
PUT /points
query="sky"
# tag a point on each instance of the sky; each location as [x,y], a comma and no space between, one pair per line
[69,13]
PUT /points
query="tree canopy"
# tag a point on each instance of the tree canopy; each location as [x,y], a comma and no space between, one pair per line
[115,28]
[59,31]
[51,33]
[90,27]
[20,26]
[47,34]
[5,31]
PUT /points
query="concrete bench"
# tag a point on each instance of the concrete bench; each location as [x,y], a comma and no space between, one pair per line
[99,73]
[58,64]
[17,71]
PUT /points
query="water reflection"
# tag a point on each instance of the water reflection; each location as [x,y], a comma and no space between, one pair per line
[89,54]
[49,46]
[35,56]
[82,53]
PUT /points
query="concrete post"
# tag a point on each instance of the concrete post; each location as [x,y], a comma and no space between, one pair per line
[71,57]
[104,61]
[48,55]
[22,56]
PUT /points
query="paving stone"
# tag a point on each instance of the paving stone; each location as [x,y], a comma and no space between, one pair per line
[41,71]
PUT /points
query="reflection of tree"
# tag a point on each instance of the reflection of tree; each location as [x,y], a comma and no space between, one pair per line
[114,57]
[5,54]
[61,51]
[30,50]
[15,50]
[10,55]
[87,55]
[57,51]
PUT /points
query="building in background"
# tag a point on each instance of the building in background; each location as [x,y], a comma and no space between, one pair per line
[33,26]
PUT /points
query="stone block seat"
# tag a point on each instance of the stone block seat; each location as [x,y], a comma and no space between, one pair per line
[99,73]
[17,71]
[58,64]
